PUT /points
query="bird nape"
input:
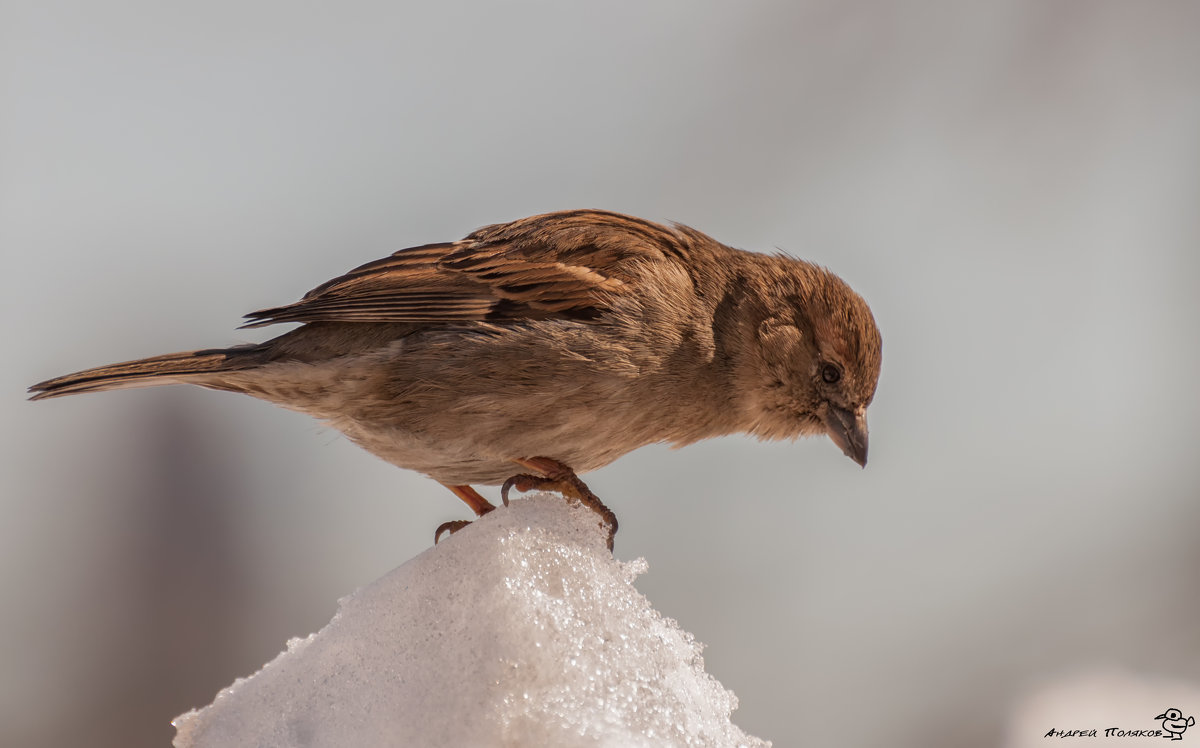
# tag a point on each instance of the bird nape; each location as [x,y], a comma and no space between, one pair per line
[532,351]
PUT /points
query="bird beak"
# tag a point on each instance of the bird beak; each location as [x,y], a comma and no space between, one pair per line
[848,431]
[1162,716]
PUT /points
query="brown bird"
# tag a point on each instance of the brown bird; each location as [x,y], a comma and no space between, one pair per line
[556,344]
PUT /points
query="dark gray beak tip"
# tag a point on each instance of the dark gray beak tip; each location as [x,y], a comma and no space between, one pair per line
[859,456]
[849,432]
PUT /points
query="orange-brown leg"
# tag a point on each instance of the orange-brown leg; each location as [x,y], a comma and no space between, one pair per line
[478,504]
[556,476]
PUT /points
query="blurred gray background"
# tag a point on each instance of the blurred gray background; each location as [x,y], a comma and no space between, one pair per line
[1014,187]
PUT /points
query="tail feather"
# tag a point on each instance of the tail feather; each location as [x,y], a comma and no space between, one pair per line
[186,367]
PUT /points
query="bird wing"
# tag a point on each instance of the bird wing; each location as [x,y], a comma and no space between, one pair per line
[570,264]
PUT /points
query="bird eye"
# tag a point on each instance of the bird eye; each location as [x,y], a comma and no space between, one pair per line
[831,374]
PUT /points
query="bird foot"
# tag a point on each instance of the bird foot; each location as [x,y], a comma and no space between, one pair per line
[561,479]
[451,527]
[478,504]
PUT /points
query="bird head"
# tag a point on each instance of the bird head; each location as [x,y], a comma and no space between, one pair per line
[816,356]
[1171,714]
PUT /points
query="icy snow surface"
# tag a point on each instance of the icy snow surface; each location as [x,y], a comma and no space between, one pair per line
[520,630]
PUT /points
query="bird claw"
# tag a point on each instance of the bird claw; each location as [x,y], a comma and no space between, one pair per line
[450,527]
[523,482]
[555,477]
[563,480]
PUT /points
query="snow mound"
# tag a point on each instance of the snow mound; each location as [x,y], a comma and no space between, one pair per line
[521,629]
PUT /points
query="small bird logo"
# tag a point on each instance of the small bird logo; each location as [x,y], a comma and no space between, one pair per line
[1174,724]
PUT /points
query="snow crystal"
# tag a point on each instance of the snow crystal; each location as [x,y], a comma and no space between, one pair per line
[519,630]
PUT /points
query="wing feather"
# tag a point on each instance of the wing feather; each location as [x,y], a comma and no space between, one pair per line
[570,264]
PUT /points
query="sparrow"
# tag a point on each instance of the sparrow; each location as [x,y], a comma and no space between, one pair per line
[550,346]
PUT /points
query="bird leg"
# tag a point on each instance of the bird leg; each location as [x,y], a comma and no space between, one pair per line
[556,476]
[478,504]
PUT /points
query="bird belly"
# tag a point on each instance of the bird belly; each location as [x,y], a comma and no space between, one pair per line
[487,447]
[462,408]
